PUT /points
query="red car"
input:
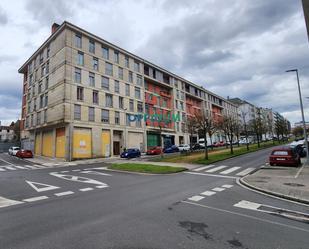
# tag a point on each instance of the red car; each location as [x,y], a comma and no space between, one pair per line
[24,154]
[285,156]
[219,144]
[154,151]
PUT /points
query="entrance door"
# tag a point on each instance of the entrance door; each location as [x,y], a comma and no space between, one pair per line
[116,149]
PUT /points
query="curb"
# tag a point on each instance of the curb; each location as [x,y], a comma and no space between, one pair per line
[287,197]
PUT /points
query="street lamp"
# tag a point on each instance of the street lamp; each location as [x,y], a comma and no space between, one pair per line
[302,112]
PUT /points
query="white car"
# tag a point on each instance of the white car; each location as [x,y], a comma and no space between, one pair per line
[13,150]
[184,147]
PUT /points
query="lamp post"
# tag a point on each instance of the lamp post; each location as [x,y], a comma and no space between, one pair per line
[302,112]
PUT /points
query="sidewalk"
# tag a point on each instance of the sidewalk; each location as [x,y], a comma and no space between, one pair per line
[286,182]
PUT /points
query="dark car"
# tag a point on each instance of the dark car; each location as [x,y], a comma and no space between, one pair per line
[285,156]
[24,154]
[300,149]
[171,149]
[131,153]
[156,150]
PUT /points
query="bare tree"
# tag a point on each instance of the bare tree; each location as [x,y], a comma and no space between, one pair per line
[191,128]
[245,126]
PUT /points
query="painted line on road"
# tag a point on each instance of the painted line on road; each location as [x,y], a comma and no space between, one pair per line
[64,193]
[245,172]
[298,172]
[38,198]
[102,186]
[4,202]
[196,198]
[85,189]
[218,189]
[1,169]
[6,162]
[208,193]
[230,170]
[64,171]
[215,169]
[227,186]
[10,168]
[76,170]
[204,174]
[247,216]
[20,167]
[248,205]
[205,167]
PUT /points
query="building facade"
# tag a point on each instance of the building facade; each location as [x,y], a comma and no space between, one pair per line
[84,97]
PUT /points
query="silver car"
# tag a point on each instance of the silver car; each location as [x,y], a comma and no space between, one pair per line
[13,150]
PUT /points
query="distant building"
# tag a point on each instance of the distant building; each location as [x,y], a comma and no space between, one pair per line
[7,133]
[300,123]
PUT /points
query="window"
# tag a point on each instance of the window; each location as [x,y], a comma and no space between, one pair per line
[41,101]
[116,86]
[40,87]
[95,97]
[136,66]
[38,118]
[45,116]
[116,57]
[80,93]
[108,100]
[105,53]
[127,90]
[164,103]
[137,92]
[120,73]
[127,119]
[139,106]
[139,80]
[46,83]
[91,79]
[91,114]
[80,58]
[130,77]
[78,75]
[47,68]
[91,46]
[31,121]
[95,63]
[138,123]
[108,69]
[120,102]
[48,51]
[77,112]
[105,116]
[126,61]
[41,58]
[131,105]
[43,71]
[46,100]
[105,83]
[78,40]
[117,118]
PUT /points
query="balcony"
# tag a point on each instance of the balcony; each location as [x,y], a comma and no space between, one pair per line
[165,94]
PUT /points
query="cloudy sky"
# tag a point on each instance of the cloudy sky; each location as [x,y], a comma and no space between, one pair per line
[236,48]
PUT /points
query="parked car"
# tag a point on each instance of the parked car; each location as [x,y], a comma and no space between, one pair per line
[24,154]
[218,144]
[300,149]
[13,150]
[285,156]
[131,153]
[171,149]
[156,150]
[198,147]
[184,147]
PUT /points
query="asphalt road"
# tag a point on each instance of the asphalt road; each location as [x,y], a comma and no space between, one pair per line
[87,206]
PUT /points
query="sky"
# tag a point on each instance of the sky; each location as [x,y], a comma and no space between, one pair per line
[235,48]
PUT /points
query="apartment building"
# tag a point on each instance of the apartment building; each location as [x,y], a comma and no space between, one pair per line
[84,97]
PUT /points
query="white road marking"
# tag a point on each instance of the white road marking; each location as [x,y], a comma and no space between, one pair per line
[30,167]
[85,189]
[246,216]
[205,167]
[38,198]
[6,162]
[298,171]
[215,169]
[4,202]
[77,179]
[94,173]
[10,168]
[208,193]
[1,169]
[230,170]
[218,189]
[245,172]
[64,171]
[64,193]
[212,175]
[227,186]
[247,205]
[38,186]
[101,186]
[20,167]
[101,168]
[76,170]
[196,198]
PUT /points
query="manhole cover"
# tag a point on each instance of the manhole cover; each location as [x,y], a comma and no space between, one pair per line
[294,184]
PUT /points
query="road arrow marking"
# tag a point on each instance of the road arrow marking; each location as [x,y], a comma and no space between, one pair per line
[41,187]
[94,173]
[4,202]
[78,179]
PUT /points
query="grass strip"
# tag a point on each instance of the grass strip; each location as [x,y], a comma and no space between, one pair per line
[146,168]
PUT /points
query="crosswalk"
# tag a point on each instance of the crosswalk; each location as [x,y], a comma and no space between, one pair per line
[26,167]
[224,170]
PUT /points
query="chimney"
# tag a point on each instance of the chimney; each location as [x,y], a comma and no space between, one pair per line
[55,26]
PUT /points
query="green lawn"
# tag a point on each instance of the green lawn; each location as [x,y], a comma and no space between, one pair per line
[215,155]
[146,168]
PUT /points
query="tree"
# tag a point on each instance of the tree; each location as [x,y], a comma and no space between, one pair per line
[245,127]
[229,124]
[298,131]
[191,128]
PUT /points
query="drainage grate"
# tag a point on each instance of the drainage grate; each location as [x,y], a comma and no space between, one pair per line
[292,184]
